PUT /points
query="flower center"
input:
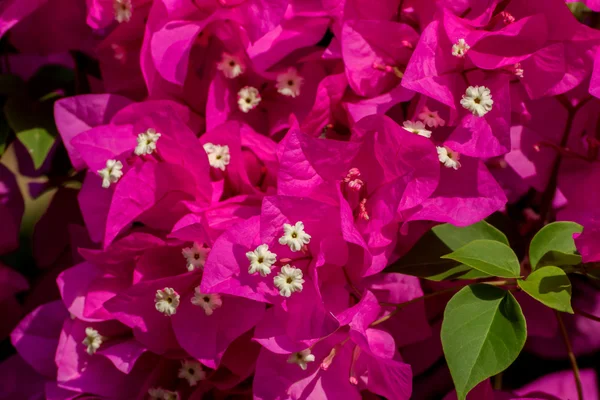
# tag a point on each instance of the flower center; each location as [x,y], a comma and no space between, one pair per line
[206,299]
[290,83]
[231,64]
[169,300]
[289,280]
[197,256]
[191,371]
[260,260]
[248,100]
[294,235]
[477,100]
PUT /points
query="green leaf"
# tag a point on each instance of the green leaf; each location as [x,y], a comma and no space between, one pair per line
[493,258]
[550,286]
[483,332]
[554,245]
[424,259]
[455,237]
[34,126]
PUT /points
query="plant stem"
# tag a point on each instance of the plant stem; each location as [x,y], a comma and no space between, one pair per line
[550,191]
[429,295]
[585,314]
[498,381]
[571,355]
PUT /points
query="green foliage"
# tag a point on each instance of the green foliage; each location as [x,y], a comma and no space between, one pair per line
[554,245]
[33,123]
[488,256]
[455,237]
[550,286]
[483,332]
[424,259]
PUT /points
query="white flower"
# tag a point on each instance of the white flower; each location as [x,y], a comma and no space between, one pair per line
[231,66]
[123,10]
[431,118]
[146,142]
[195,256]
[478,100]
[261,260]
[112,173]
[460,48]
[289,82]
[93,340]
[448,157]
[248,98]
[417,127]
[208,302]
[166,301]
[192,372]
[289,280]
[218,156]
[162,394]
[294,236]
[302,358]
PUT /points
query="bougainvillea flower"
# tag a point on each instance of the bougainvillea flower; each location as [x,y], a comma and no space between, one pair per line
[36,337]
[374,65]
[560,385]
[374,190]
[363,358]
[12,12]
[237,256]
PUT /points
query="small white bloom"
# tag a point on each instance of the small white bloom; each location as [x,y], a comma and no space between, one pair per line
[289,82]
[431,118]
[302,358]
[93,340]
[112,173]
[192,372]
[146,142]
[218,156]
[123,10]
[208,302]
[417,127]
[448,157]
[478,100]
[289,280]
[248,98]
[294,236]
[460,48]
[162,394]
[195,256]
[166,301]
[231,66]
[261,260]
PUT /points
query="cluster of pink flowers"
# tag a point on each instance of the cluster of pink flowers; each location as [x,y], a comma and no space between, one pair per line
[251,167]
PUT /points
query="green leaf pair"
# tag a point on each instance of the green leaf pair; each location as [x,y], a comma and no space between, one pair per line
[484,329]
[425,259]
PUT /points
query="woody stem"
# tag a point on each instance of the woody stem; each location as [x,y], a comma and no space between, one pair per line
[572,359]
